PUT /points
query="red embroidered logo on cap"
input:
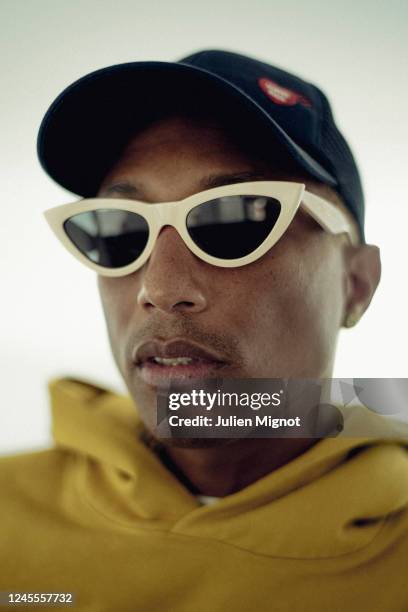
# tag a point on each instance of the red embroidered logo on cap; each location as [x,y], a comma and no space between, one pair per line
[282,95]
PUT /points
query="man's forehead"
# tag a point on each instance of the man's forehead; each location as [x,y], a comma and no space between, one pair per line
[191,127]
[216,152]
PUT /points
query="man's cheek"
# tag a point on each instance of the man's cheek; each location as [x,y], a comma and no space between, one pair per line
[117,314]
[118,306]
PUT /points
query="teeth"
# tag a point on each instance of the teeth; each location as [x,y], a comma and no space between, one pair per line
[173,361]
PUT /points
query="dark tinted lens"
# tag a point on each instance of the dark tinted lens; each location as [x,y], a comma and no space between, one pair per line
[233,226]
[108,237]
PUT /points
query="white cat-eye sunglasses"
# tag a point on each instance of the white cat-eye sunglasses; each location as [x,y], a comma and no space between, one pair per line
[228,226]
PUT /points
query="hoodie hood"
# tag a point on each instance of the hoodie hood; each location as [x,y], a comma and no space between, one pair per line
[335,499]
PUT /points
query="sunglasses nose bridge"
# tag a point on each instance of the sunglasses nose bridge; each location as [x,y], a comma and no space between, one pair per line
[167,213]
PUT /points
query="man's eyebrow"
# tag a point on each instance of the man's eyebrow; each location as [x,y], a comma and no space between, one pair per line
[218,180]
[133,190]
[124,188]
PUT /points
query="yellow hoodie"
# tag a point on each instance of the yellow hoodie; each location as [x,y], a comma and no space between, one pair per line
[99,515]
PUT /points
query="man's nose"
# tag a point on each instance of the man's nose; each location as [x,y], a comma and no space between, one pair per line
[169,280]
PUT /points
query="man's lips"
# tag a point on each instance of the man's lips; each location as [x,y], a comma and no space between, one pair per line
[159,362]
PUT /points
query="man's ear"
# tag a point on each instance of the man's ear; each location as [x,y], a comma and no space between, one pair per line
[363,275]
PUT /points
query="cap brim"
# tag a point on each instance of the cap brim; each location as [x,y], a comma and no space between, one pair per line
[87,126]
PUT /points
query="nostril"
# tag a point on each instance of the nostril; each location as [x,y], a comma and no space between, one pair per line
[183,304]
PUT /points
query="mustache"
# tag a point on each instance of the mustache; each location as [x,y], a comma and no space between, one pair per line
[221,343]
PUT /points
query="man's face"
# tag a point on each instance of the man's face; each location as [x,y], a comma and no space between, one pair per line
[277,317]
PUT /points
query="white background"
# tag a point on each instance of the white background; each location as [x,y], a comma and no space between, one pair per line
[51,319]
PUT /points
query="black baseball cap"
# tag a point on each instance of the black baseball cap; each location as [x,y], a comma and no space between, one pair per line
[89,123]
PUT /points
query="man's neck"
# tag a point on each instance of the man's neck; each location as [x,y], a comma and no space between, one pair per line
[232,465]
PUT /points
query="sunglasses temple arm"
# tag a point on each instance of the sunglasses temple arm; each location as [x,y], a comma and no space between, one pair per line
[328,216]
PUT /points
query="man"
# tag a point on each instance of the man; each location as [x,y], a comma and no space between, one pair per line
[126,519]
